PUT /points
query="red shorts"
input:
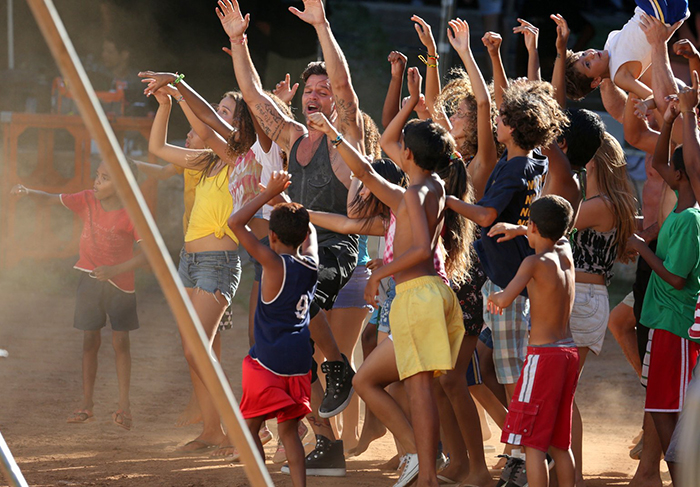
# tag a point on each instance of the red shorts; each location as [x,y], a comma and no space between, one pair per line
[671,361]
[540,411]
[270,395]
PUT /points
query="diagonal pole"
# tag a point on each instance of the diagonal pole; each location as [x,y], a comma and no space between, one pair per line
[152,243]
[9,468]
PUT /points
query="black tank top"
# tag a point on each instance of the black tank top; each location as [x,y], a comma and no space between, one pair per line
[317,188]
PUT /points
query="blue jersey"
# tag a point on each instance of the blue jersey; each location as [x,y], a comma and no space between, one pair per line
[282,337]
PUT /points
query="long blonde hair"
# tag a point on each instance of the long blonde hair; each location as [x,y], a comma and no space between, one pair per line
[613,183]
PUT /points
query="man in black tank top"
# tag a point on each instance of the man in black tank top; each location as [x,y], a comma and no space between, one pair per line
[320,181]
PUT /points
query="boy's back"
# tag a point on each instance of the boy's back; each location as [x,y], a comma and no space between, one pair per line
[551,292]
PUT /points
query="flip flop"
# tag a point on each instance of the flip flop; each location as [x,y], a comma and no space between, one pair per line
[442,480]
[81,416]
[204,447]
[122,419]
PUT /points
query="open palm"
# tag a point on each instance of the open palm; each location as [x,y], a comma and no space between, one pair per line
[232,20]
[313,12]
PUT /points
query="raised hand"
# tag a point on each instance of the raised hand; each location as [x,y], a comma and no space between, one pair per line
[156,80]
[19,190]
[162,96]
[398,63]
[318,121]
[285,91]
[656,31]
[673,109]
[425,33]
[414,83]
[492,41]
[421,109]
[686,49]
[232,20]
[530,32]
[279,181]
[458,34]
[563,32]
[688,96]
[313,12]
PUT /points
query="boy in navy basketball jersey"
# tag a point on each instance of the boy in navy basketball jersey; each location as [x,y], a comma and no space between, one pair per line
[277,370]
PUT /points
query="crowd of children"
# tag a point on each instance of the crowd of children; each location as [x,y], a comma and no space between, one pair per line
[502,214]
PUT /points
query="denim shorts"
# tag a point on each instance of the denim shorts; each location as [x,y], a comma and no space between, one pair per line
[211,271]
[384,325]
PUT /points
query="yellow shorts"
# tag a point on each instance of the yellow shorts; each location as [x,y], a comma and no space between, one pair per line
[426,326]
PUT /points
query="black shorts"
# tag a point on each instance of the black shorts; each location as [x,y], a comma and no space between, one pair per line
[96,300]
[335,267]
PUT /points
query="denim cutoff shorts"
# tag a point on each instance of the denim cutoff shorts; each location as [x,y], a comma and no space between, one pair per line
[211,271]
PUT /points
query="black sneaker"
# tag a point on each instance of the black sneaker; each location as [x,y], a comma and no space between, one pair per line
[326,460]
[513,474]
[338,387]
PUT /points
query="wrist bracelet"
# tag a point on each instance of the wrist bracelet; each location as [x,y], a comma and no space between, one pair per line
[179,98]
[239,41]
[178,78]
[425,61]
[337,141]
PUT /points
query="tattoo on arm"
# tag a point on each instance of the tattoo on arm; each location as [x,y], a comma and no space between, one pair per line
[347,112]
[270,120]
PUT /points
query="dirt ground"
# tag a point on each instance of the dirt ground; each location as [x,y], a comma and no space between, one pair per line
[40,386]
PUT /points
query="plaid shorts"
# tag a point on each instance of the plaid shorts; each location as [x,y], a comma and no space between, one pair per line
[510,335]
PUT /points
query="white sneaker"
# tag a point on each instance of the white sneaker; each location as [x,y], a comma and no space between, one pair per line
[410,470]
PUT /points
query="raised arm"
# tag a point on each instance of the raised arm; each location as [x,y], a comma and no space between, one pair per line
[688,101]
[662,81]
[157,141]
[432,74]
[40,197]
[560,179]
[392,102]
[156,171]
[531,34]
[348,226]
[486,156]
[389,194]
[686,49]
[276,125]
[492,41]
[346,102]
[661,161]
[614,99]
[391,140]
[559,72]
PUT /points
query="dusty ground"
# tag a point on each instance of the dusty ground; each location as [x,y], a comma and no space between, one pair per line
[40,386]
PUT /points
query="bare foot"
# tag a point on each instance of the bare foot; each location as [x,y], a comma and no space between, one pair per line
[369,434]
[652,480]
[191,414]
[392,464]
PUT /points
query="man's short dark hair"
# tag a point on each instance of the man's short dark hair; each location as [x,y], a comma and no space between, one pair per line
[583,136]
[290,222]
[552,214]
[314,67]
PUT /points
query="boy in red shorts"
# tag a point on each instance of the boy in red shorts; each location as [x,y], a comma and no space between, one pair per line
[106,285]
[277,370]
[539,416]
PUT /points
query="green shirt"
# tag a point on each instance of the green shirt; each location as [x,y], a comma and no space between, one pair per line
[678,246]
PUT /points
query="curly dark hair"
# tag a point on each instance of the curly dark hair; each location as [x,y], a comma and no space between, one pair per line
[578,85]
[529,108]
[290,222]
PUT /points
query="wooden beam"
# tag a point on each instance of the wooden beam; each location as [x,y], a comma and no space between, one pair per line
[152,243]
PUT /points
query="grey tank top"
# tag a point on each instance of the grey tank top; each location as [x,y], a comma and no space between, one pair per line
[317,188]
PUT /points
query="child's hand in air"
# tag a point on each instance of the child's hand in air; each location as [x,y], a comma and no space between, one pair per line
[19,190]
[285,91]
[279,181]
[686,49]
[232,20]
[425,33]
[162,97]
[563,32]
[495,303]
[422,109]
[530,32]
[508,230]
[673,109]
[688,96]
[492,41]
[318,121]
[458,35]
[398,64]
[414,84]
[156,80]
[372,290]
[313,12]
[105,272]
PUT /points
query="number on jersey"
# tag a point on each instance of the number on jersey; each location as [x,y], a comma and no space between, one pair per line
[302,306]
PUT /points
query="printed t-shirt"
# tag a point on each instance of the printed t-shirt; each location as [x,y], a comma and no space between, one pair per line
[513,185]
[678,246]
[107,238]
